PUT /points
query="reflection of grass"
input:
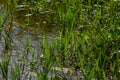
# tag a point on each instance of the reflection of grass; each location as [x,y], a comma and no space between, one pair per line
[93,49]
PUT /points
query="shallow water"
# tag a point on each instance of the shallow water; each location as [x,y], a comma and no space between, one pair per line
[29,26]
[26,26]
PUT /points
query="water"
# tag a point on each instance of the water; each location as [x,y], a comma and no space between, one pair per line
[27,26]
[30,26]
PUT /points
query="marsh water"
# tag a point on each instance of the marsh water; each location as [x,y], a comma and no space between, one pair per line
[26,26]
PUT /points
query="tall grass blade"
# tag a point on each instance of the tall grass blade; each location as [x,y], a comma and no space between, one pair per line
[4,66]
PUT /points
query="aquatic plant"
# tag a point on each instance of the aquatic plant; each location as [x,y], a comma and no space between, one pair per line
[4,64]
[87,42]
[15,72]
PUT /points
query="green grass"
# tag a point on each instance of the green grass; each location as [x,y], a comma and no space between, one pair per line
[15,72]
[4,64]
[88,41]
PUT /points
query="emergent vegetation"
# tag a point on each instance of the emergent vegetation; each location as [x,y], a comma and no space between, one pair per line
[85,45]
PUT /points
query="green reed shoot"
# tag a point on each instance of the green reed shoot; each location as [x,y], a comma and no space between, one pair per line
[0,23]
[15,72]
[4,65]
[48,59]
[27,50]
[7,42]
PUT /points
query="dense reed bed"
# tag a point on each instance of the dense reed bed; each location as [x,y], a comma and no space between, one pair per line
[87,46]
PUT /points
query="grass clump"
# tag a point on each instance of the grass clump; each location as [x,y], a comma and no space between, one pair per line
[15,72]
[4,65]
